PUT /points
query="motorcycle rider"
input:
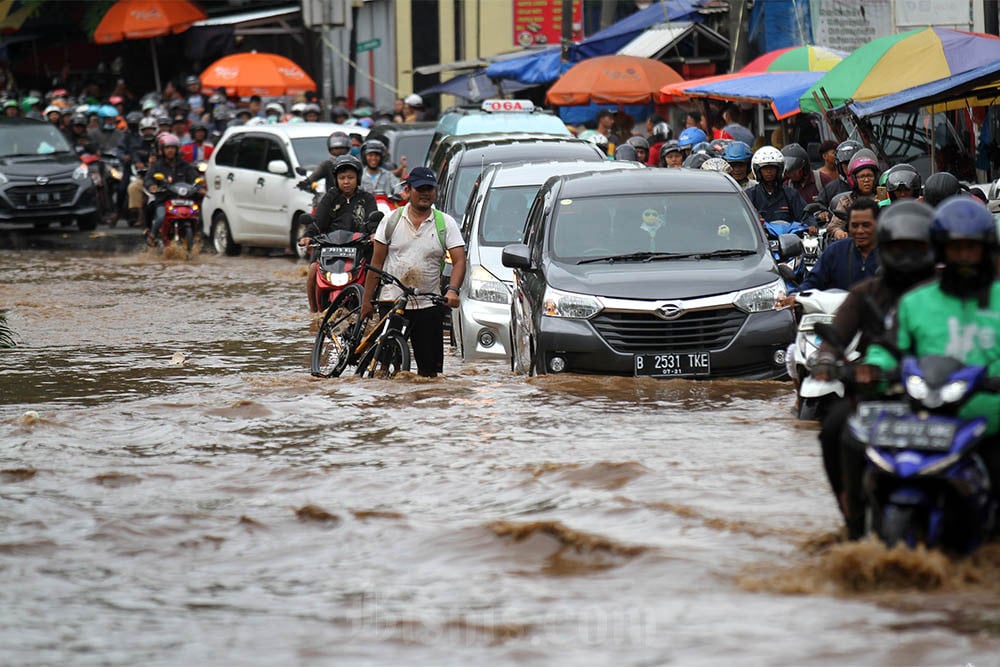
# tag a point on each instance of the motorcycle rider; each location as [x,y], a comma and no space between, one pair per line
[956,315]
[107,137]
[338,144]
[78,136]
[625,153]
[772,199]
[852,259]
[738,155]
[940,186]
[862,175]
[689,138]
[140,157]
[661,133]
[170,168]
[671,156]
[198,149]
[845,151]
[901,181]
[641,146]
[274,112]
[375,178]
[345,206]
[800,175]
[907,259]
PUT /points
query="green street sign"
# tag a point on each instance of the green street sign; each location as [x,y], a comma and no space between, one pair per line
[369,44]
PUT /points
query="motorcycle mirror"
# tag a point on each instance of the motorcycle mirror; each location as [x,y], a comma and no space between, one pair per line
[813,208]
[309,222]
[829,334]
[842,215]
[787,274]
[375,217]
[789,245]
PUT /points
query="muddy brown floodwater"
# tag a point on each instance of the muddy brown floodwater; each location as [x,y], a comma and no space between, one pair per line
[175,489]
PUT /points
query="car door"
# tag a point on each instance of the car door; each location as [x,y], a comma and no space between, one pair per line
[242,186]
[271,192]
[221,173]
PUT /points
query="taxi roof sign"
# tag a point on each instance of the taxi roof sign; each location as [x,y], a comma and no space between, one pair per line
[523,106]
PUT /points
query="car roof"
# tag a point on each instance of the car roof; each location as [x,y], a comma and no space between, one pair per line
[524,149]
[422,126]
[300,130]
[644,181]
[530,172]
[4,120]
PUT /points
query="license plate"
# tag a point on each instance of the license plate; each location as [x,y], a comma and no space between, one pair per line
[41,197]
[337,252]
[913,433]
[673,364]
[182,202]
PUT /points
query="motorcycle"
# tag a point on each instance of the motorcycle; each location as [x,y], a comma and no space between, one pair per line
[182,213]
[103,197]
[814,395]
[924,480]
[113,168]
[342,260]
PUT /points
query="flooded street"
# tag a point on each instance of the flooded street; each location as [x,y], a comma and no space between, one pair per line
[175,489]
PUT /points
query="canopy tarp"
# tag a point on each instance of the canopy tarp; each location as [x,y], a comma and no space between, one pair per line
[781,89]
[545,66]
[977,87]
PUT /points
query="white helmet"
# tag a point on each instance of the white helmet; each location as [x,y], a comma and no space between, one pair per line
[278,110]
[767,156]
[299,108]
[52,108]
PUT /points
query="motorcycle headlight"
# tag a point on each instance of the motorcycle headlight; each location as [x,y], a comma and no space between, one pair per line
[338,279]
[916,388]
[116,174]
[954,391]
[760,299]
[566,304]
[484,286]
[81,173]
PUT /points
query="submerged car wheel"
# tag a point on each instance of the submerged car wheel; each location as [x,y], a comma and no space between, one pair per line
[88,223]
[222,239]
[298,231]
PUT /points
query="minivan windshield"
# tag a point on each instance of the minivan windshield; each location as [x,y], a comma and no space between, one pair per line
[666,225]
[31,139]
[311,151]
[504,213]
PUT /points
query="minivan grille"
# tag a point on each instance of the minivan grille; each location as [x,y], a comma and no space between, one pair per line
[645,332]
[41,196]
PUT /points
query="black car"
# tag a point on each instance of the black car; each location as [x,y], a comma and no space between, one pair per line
[652,272]
[404,139]
[461,158]
[42,179]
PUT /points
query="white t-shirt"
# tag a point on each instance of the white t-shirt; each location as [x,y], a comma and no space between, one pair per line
[415,255]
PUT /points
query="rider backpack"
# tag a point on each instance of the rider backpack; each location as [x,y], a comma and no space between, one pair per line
[395,216]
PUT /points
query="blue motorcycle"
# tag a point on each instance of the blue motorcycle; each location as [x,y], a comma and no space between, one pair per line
[925,482]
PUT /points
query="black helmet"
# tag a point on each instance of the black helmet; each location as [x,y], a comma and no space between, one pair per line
[347,162]
[338,140]
[78,119]
[940,186]
[626,152]
[373,146]
[192,81]
[904,243]
[902,176]
[968,219]
[845,151]
[639,142]
[132,118]
[338,111]
[695,160]
[796,158]
[197,125]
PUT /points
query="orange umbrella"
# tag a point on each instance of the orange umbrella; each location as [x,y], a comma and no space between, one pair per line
[142,19]
[257,74]
[613,79]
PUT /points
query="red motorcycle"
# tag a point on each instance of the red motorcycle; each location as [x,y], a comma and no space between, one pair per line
[182,212]
[342,257]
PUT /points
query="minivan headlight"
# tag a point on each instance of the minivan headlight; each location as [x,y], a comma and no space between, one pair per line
[760,299]
[567,304]
[484,286]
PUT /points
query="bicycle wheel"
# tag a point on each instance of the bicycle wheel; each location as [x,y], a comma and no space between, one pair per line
[338,335]
[389,355]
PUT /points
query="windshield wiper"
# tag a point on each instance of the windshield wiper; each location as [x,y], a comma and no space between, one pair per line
[638,257]
[728,252]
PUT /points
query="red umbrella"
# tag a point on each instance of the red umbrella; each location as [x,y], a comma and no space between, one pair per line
[142,19]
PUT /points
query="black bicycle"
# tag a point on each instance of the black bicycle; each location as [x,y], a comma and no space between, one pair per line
[385,349]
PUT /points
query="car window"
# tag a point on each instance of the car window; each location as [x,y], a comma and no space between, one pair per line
[476,194]
[226,155]
[585,227]
[413,146]
[465,179]
[504,213]
[31,139]
[310,151]
[274,152]
[252,152]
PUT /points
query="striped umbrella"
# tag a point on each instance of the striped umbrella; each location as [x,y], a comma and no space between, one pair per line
[890,64]
[796,59]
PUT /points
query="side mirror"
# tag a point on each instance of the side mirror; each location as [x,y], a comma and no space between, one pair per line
[814,208]
[787,274]
[375,217]
[516,256]
[307,221]
[789,245]
[301,171]
[278,167]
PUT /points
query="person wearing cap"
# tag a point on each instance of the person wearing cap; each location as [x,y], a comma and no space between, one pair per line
[605,127]
[413,108]
[411,242]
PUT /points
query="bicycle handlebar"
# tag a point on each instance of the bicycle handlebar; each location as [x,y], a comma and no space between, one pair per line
[387,278]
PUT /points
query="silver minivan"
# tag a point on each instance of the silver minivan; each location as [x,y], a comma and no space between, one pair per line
[494,217]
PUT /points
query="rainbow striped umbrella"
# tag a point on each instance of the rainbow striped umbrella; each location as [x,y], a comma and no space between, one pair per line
[890,64]
[796,59]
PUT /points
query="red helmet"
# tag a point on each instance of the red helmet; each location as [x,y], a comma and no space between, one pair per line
[168,139]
